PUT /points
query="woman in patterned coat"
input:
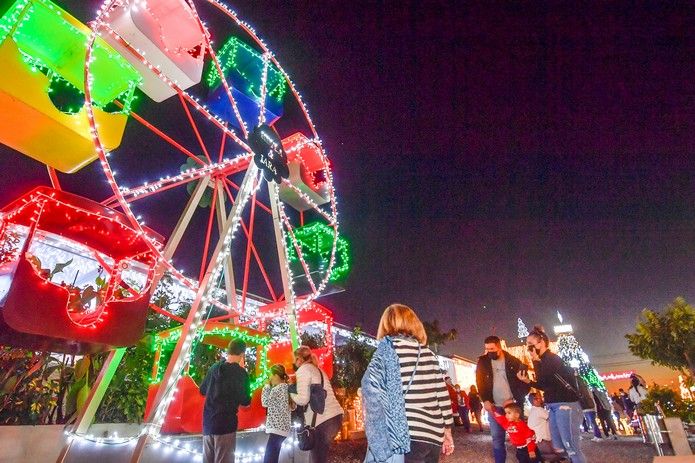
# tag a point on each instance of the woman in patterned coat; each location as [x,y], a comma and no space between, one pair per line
[403,389]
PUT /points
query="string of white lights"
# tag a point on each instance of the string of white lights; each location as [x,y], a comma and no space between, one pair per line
[264,88]
[100,25]
[218,68]
[191,174]
[248,189]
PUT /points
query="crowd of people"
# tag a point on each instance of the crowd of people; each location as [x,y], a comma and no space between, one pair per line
[410,407]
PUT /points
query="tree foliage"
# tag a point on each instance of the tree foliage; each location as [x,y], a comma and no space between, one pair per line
[312,340]
[350,361]
[126,396]
[39,388]
[436,337]
[667,338]
[670,403]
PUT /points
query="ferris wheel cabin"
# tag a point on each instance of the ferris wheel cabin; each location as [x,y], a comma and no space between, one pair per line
[72,271]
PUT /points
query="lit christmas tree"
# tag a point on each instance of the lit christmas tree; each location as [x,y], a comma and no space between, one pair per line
[523,331]
[571,352]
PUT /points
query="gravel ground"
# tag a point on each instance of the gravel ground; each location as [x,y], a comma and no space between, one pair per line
[477,448]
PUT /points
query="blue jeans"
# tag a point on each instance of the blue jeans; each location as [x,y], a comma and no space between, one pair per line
[565,420]
[325,433]
[499,448]
[463,413]
[591,421]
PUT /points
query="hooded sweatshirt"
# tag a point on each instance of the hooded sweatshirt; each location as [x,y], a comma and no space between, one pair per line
[225,387]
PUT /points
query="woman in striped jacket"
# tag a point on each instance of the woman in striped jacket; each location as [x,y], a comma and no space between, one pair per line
[425,402]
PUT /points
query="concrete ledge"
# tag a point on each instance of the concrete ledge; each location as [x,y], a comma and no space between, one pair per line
[39,444]
[681,459]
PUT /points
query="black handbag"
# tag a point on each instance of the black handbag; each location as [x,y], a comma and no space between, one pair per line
[306,436]
[581,391]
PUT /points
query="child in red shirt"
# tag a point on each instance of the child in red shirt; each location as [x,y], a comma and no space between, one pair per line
[520,435]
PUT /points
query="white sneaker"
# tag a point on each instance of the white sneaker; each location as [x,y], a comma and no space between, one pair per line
[596,439]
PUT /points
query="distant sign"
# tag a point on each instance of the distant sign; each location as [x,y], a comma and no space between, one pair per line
[562,329]
[616,376]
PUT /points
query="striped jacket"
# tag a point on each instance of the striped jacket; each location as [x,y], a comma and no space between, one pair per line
[427,402]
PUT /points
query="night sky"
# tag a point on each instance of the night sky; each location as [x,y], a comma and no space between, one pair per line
[497,160]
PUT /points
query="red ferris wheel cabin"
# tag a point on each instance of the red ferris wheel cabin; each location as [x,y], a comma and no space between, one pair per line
[75,276]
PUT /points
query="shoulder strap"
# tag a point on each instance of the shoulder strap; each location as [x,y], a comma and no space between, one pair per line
[567,385]
[313,420]
[417,362]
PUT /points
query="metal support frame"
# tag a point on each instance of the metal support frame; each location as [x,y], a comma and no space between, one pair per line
[98,390]
[96,394]
[54,178]
[179,350]
[290,307]
[229,282]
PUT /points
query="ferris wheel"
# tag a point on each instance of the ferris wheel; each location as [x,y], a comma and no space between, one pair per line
[252,149]
[201,135]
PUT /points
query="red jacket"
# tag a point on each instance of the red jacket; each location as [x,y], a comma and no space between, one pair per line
[520,435]
[453,395]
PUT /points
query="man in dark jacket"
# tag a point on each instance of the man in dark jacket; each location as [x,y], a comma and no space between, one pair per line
[225,387]
[498,385]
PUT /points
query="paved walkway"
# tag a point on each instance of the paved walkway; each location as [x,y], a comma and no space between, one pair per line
[477,448]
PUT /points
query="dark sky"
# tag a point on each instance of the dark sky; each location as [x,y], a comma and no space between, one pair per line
[525,157]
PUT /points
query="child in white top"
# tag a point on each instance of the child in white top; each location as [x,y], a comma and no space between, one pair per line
[275,397]
[538,421]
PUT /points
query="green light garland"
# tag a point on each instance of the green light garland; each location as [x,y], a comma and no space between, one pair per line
[316,242]
[248,64]
[50,42]
[167,344]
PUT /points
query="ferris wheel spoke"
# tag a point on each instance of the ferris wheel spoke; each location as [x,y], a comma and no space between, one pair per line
[230,284]
[175,238]
[222,143]
[247,260]
[298,250]
[264,88]
[208,234]
[315,207]
[226,167]
[195,128]
[149,189]
[219,123]
[162,135]
[260,203]
[166,313]
[271,290]
[280,243]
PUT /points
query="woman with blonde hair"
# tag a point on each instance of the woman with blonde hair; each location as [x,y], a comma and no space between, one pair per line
[407,406]
[321,409]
